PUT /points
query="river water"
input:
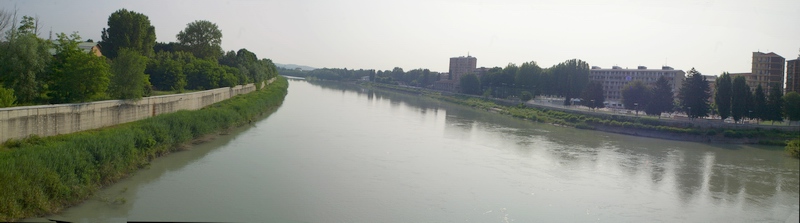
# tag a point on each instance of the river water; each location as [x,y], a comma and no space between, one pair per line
[339,153]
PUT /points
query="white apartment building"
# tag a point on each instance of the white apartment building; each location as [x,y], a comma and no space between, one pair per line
[616,78]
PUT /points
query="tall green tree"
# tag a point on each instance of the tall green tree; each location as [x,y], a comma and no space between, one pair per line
[792,106]
[470,84]
[661,98]
[694,94]
[775,103]
[203,39]
[740,98]
[128,29]
[77,76]
[128,80]
[758,109]
[23,62]
[635,95]
[723,96]
[593,96]
[528,76]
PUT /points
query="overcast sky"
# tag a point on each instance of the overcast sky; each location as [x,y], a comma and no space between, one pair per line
[712,36]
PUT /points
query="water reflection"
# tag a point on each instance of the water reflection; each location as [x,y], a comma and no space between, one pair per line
[748,176]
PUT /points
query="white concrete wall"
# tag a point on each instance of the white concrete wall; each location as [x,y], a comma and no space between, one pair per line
[48,120]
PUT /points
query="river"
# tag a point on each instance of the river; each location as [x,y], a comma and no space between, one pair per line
[335,152]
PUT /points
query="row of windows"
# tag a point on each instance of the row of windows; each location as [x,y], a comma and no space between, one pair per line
[634,73]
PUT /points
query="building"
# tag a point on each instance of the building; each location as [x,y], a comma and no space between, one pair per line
[90,47]
[460,66]
[793,75]
[767,69]
[614,79]
[712,86]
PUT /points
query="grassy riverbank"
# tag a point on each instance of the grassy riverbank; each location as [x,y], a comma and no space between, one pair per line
[44,175]
[653,128]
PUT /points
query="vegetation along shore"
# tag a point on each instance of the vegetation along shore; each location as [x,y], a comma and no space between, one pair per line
[45,175]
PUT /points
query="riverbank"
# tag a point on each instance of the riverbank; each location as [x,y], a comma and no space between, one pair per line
[635,126]
[44,175]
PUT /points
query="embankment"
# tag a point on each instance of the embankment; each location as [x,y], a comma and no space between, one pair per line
[44,175]
[49,120]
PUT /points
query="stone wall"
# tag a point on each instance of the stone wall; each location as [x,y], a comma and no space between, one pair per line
[48,120]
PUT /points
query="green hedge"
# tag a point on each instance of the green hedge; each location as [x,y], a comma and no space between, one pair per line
[43,175]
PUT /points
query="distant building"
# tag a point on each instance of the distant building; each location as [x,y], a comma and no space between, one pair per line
[86,47]
[793,75]
[614,79]
[712,86]
[90,47]
[767,69]
[460,66]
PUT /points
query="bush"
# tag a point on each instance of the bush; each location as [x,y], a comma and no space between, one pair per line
[7,98]
[793,148]
[732,134]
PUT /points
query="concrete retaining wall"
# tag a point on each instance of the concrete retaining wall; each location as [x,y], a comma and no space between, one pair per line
[48,120]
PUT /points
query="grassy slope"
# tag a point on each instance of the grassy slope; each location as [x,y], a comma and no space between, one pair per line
[44,175]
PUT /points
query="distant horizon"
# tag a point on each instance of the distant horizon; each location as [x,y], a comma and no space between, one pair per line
[711,37]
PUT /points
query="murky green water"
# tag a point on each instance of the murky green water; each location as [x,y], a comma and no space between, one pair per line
[339,153]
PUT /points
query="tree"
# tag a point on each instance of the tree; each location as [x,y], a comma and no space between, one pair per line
[758,109]
[593,95]
[775,103]
[77,76]
[24,61]
[661,98]
[128,80]
[722,95]
[203,74]
[202,38]
[525,96]
[29,25]
[128,29]
[470,84]
[792,108]
[694,95]
[739,98]
[635,95]
[7,98]
[527,76]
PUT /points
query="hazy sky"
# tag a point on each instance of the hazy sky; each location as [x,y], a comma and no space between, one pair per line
[712,36]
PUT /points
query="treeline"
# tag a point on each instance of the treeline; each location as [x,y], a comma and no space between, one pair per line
[132,65]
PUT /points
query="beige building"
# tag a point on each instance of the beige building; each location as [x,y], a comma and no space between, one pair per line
[460,66]
[793,75]
[614,79]
[767,69]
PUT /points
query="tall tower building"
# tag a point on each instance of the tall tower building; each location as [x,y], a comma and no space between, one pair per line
[767,69]
[793,75]
[462,65]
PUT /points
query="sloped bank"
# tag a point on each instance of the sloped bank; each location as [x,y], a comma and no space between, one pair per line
[44,175]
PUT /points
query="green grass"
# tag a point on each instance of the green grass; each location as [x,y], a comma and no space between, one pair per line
[44,175]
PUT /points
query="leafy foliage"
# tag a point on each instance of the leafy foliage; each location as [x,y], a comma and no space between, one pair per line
[202,38]
[661,99]
[7,98]
[77,76]
[593,96]
[470,84]
[722,95]
[792,106]
[740,98]
[694,95]
[128,29]
[775,106]
[635,95]
[128,80]
[24,62]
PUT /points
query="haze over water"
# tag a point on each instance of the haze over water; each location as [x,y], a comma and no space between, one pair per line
[339,153]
